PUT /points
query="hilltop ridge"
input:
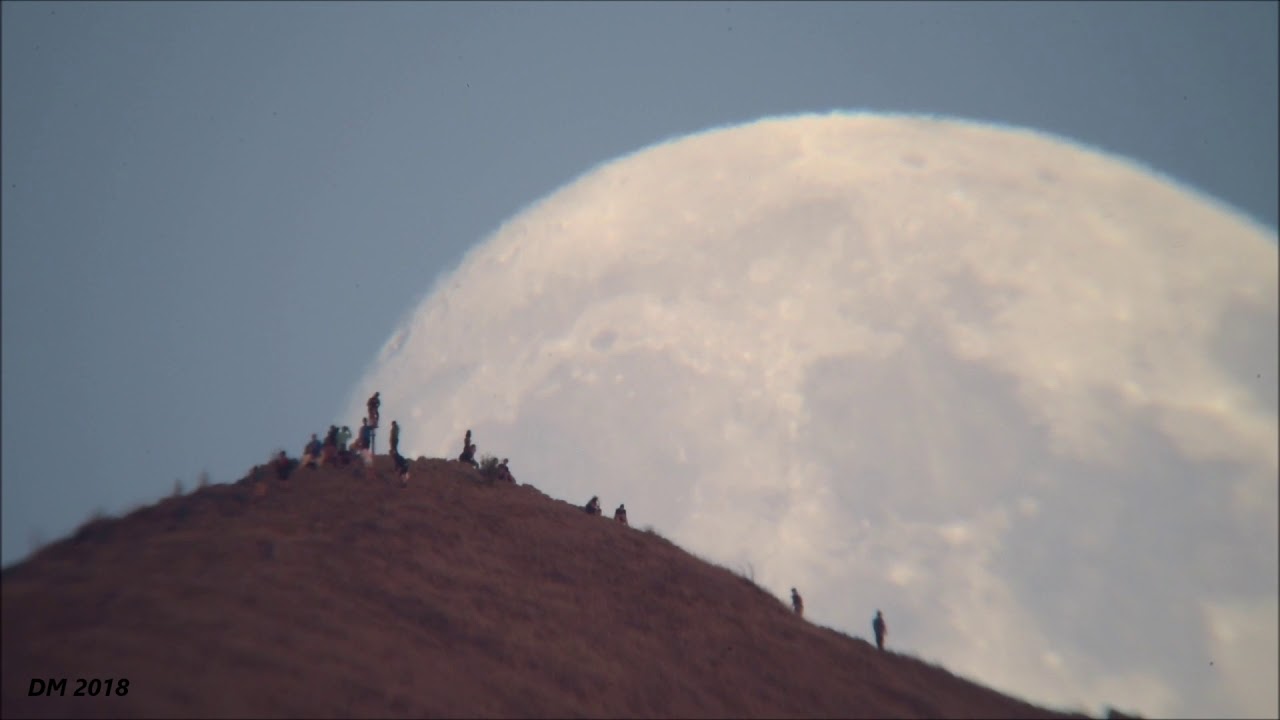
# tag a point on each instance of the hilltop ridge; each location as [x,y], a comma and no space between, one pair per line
[331,595]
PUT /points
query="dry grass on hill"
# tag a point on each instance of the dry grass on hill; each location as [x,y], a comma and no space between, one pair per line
[328,595]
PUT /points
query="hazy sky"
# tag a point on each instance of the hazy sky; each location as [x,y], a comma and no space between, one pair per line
[214,215]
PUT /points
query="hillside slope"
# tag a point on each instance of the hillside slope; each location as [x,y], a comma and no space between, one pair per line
[328,595]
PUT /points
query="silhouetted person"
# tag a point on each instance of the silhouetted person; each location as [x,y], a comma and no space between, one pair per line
[469,456]
[880,629]
[366,432]
[621,514]
[329,452]
[374,403]
[593,506]
[344,438]
[282,465]
[311,453]
[395,438]
[797,603]
[504,472]
[468,451]
[402,468]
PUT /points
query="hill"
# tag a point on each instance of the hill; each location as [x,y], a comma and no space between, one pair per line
[329,595]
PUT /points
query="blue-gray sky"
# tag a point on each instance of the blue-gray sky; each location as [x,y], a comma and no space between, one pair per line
[214,215]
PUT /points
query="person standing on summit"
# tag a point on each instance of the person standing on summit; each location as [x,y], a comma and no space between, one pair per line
[395,438]
[878,626]
[374,403]
[797,603]
[311,453]
[362,440]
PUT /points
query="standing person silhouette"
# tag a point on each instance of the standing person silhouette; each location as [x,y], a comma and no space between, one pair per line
[395,438]
[373,405]
[797,603]
[364,436]
[880,629]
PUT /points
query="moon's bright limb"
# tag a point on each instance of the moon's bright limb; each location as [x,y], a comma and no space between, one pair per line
[1017,394]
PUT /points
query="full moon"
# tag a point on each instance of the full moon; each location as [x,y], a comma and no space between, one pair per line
[1017,394]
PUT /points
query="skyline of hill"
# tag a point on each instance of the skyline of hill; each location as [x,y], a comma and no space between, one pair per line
[328,594]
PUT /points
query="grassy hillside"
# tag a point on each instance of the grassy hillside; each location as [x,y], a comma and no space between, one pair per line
[330,595]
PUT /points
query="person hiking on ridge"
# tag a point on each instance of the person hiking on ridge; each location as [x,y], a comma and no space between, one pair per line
[797,603]
[880,629]
[402,468]
[593,506]
[621,514]
[395,438]
[373,405]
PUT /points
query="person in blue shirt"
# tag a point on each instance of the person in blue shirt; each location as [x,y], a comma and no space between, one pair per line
[366,430]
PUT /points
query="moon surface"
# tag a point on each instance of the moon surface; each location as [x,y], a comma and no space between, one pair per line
[1017,394]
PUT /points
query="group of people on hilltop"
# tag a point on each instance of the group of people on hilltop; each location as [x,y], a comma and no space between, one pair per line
[334,450]
[373,406]
[337,448]
[493,468]
[878,625]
